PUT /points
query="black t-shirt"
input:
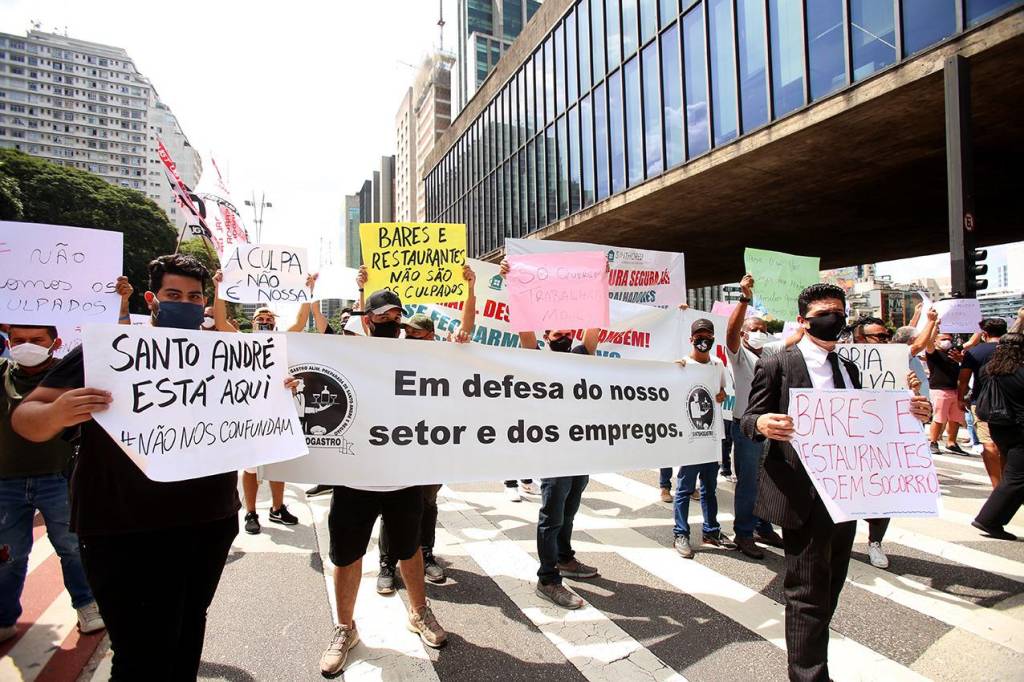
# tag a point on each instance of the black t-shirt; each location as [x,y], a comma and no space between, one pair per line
[110,495]
[1012,387]
[974,360]
[943,372]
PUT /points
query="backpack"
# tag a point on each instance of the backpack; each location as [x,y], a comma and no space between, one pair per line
[991,405]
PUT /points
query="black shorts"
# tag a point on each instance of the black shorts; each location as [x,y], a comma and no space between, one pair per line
[353,513]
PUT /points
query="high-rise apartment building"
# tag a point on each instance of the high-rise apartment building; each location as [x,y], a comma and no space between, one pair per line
[350,231]
[486,29]
[85,105]
[375,203]
[405,159]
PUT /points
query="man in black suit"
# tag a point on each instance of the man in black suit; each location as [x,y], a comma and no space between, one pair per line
[817,550]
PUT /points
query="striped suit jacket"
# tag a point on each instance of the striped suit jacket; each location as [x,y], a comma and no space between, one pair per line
[785,493]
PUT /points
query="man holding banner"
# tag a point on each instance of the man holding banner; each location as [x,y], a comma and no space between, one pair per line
[817,550]
[121,515]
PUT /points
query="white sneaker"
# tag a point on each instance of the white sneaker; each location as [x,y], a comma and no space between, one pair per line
[89,619]
[513,494]
[530,488]
[7,632]
[877,556]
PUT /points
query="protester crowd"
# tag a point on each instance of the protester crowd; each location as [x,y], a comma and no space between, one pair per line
[114,514]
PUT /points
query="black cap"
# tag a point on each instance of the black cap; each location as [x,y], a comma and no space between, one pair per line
[383,301]
[702,325]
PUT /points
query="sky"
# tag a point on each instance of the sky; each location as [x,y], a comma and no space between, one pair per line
[295,99]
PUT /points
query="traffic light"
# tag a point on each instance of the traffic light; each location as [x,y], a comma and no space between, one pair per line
[976,268]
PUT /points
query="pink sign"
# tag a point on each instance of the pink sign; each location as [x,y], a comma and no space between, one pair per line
[558,291]
[725,309]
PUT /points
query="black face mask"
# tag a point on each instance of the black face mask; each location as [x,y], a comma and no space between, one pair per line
[827,327]
[562,344]
[703,345]
[386,330]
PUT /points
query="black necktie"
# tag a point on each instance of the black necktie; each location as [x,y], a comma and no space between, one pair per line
[837,376]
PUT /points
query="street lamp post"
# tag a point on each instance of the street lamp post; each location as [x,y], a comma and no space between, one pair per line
[257,213]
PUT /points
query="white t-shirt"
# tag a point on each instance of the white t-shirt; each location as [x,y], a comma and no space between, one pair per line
[743,362]
[716,362]
[818,366]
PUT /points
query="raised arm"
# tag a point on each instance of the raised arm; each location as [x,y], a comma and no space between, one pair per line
[220,308]
[739,313]
[124,290]
[302,317]
[917,315]
[927,343]
[591,337]
[973,341]
[319,319]
[361,283]
[468,321]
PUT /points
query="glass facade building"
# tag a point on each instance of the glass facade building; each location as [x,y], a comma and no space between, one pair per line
[621,91]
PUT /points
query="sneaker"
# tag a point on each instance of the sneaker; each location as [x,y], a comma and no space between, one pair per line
[559,595]
[319,490]
[513,494]
[770,538]
[89,619]
[957,450]
[283,516]
[432,571]
[725,474]
[530,488]
[934,448]
[666,495]
[252,523]
[682,545]
[877,556]
[719,539]
[575,569]
[423,623]
[386,579]
[8,632]
[997,533]
[343,641]
[747,546]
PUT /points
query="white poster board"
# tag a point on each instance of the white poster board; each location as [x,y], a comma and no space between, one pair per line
[881,365]
[656,278]
[188,404]
[388,412]
[57,275]
[265,273]
[958,315]
[865,452]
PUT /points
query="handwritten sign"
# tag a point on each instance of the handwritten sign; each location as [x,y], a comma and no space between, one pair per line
[265,273]
[653,278]
[779,278]
[421,262]
[881,365]
[958,315]
[865,452]
[188,404]
[56,275]
[558,291]
[725,309]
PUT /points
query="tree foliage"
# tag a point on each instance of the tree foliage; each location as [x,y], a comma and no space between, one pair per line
[35,190]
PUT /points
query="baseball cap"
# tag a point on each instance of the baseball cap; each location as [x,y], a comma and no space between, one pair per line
[421,322]
[702,325]
[382,301]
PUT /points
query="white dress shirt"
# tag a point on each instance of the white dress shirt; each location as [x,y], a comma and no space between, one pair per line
[818,366]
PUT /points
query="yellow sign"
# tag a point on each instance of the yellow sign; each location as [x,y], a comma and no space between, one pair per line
[421,262]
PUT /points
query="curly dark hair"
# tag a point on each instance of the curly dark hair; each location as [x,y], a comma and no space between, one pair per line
[1008,356]
[819,292]
[176,264]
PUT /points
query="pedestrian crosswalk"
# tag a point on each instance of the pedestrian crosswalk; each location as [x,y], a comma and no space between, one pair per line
[951,605]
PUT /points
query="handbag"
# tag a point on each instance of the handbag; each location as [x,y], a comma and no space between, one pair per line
[991,404]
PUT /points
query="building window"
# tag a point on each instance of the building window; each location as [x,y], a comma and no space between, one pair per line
[648,20]
[611,18]
[559,70]
[597,23]
[630,30]
[615,132]
[531,185]
[549,79]
[872,36]
[634,126]
[926,22]
[528,85]
[753,73]
[551,157]
[723,71]
[825,45]
[601,140]
[672,86]
[563,169]
[541,181]
[574,160]
[583,26]
[786,40]
[587,141]
[698,138]
[652,109]
[538,79]
[979,11]
[570,60]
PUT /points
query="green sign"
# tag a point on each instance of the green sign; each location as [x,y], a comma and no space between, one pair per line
[778,280]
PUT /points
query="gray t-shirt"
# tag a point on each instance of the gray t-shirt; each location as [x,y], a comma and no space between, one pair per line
[743,363]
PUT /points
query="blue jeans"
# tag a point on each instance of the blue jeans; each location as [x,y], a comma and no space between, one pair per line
[665,473]
[560,500]
[747,460]
[19,500]
[685,486]
[665,478]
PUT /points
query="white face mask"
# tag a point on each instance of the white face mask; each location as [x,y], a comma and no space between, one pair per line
[944,345]
[757,340]
[29,354]
[207,323]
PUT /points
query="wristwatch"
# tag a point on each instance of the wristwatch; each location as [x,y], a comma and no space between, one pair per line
[744,299]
